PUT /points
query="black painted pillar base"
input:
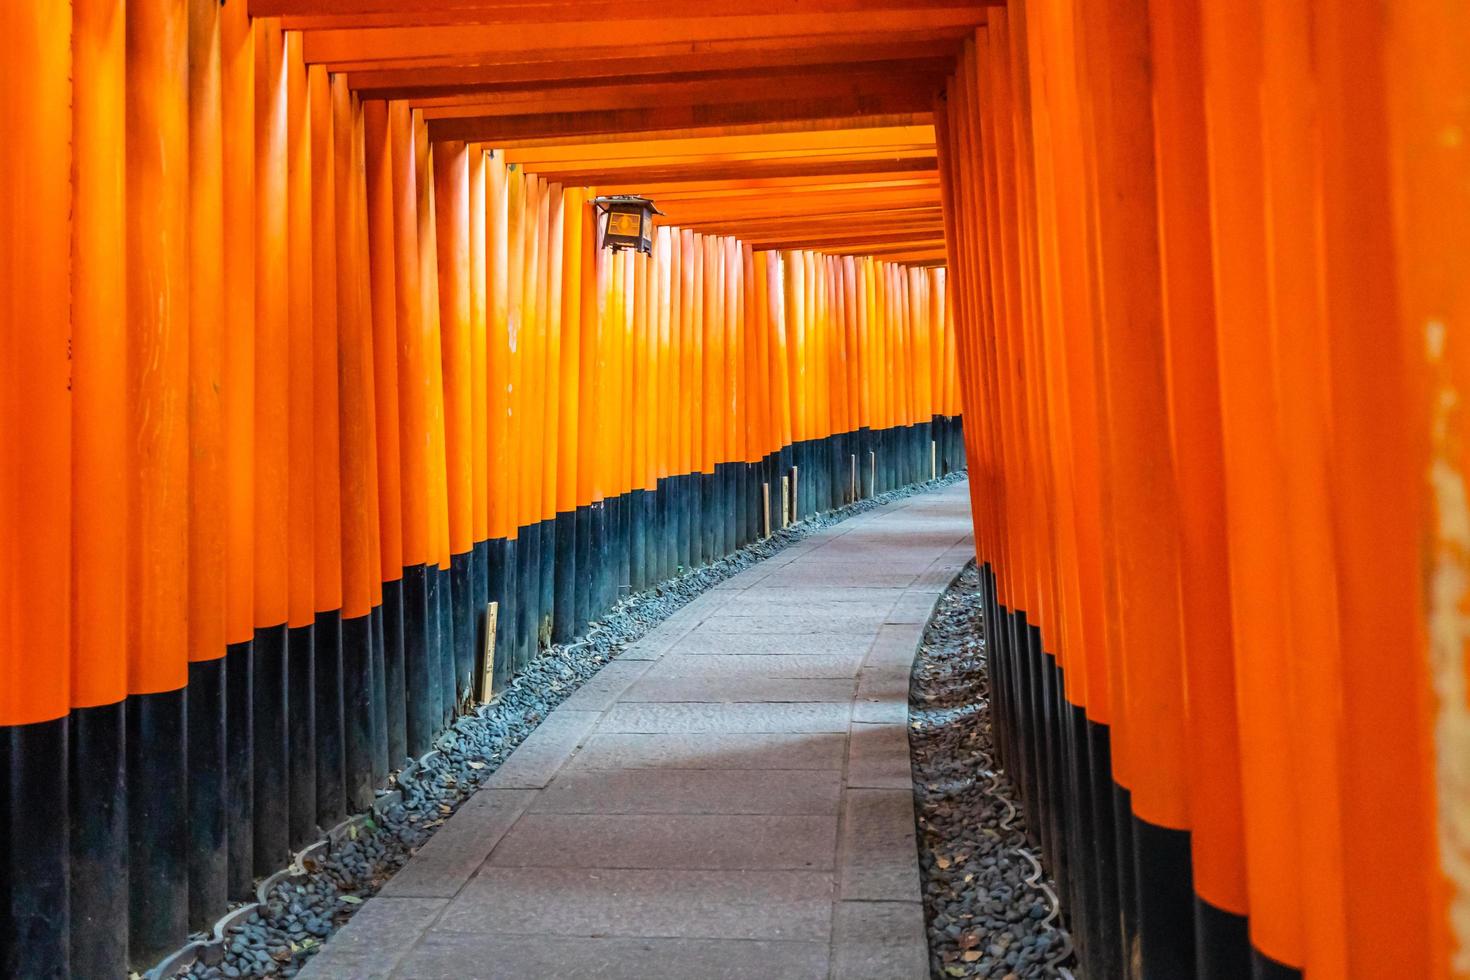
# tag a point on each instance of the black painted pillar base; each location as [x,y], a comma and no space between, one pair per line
[331,745]
[1165,876]
[358,715]
[35,815]
[301,734]
[395,683]
[1222,943]
[239,768]
[158,875]
[99,842]
[564,611]
[271,755]
[207,796]
[418,673]
[462,606]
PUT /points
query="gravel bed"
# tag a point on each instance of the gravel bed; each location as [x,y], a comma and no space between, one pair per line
[990,910]
[303,911]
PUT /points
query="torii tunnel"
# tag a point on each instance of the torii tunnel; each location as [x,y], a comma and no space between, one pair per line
[310,351]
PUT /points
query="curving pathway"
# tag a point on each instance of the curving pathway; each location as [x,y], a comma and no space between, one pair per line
[729,800]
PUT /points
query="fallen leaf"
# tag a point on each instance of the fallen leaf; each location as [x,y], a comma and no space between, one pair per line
[970,955]
[942,862]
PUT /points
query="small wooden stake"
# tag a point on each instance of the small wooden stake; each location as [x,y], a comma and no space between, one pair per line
[933,460]
[785,501]
[487,676]
[873,469]
[853,490]
[766,509]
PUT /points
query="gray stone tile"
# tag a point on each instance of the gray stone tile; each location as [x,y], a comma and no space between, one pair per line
[867,576]
[536,760]
[606,686]
[705,641]
[685,717]
[713,842]
[791,621]
[833,665]
[441,867]
[712,750]
[895,646]
[936,579]
[879,941]
[882,696]
[789,905]
[374,940]
[779,791]
[768,600]
[878,857]
[878,757]
[467,956]
[914,607]
[741,687]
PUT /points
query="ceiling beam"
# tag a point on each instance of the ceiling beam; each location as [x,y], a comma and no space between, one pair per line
[617,36]
[912,87]
[492,129]
[396,83]
[325,14]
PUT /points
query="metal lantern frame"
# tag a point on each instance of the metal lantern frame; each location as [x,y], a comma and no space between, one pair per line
[629,222]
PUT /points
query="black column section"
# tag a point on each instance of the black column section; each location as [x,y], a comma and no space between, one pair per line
[269,712]
[301,733]
[479,601]
[358,716]
[582,568]
[547,601]
[418,673]
[507,646]
[99,842]
[637,541]
[687,498]
[1264,967]
[331,739]
[240,767]
[378,693]
[395,679]
[206,767]
[462,595]
[158,875]
[502,567]
[1165,877]
[521,603]
[441,643]
[35,815]
[564,593]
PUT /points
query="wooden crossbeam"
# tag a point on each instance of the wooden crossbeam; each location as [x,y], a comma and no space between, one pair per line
[615,36]
[899,80]
[398,83]
[330,14]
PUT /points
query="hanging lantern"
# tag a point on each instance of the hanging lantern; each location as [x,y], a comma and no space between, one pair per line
[629,222]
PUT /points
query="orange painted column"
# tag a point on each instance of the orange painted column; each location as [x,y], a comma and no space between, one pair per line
[1256,515]
[238,173]
[1217,841]
[363,686]
[378,163]
[1427,83]
[36,447]
[157,196]
[1384,394]
[478,448]
[99,431]
[207,475]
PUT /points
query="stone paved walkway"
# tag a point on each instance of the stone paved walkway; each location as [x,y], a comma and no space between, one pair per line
[730,800]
